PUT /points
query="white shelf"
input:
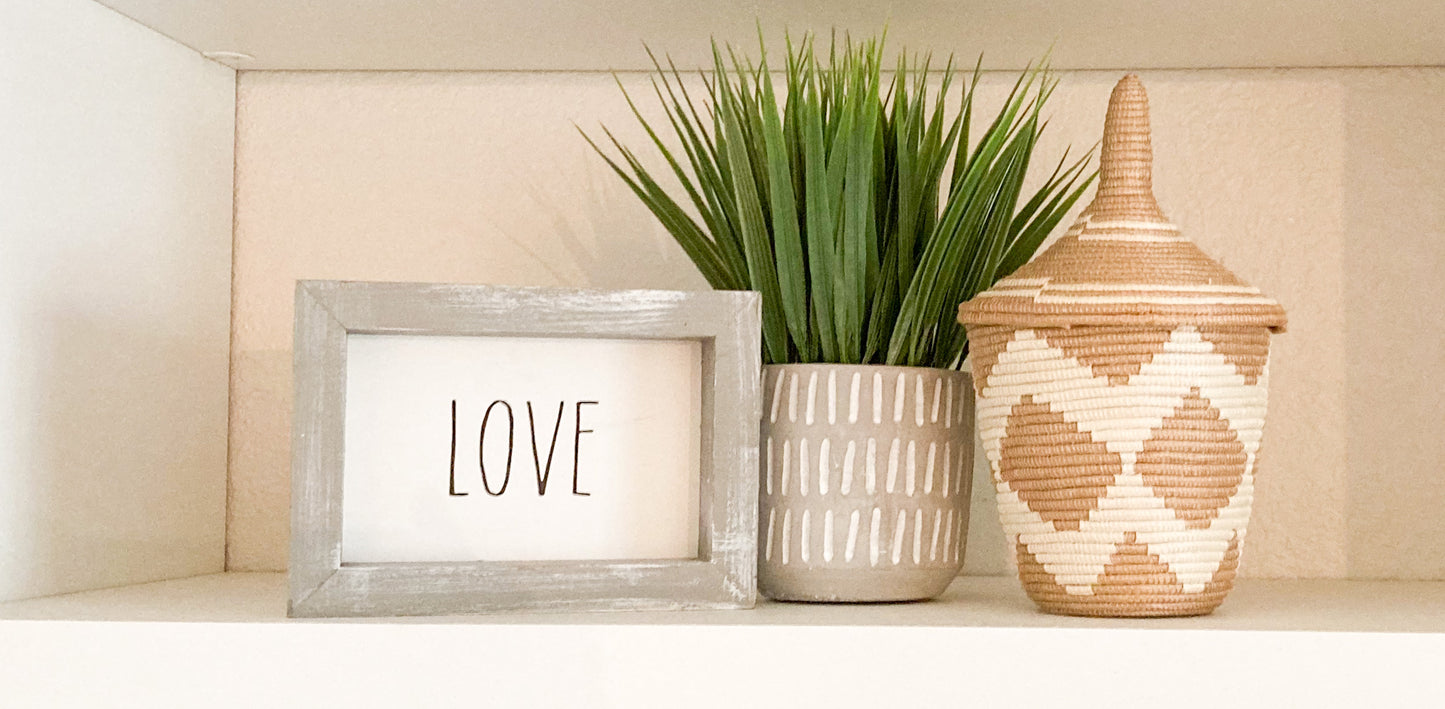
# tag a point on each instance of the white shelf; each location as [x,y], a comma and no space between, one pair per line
[223,640]
[598,35]
[971,602]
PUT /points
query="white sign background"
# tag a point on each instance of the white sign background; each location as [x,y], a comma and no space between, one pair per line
[640,462]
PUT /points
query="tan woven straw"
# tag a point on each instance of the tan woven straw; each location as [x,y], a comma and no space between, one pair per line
[1122,379]
[1123,262]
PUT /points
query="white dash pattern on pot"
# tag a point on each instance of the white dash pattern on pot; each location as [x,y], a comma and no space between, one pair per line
[875,451]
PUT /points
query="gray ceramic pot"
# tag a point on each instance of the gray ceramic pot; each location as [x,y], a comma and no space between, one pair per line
[866,476]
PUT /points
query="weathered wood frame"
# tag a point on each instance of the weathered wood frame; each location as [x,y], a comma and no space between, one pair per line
[723,575]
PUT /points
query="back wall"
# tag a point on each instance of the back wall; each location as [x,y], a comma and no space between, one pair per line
[1322,187]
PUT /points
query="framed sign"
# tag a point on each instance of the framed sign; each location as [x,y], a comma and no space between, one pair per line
[464,449]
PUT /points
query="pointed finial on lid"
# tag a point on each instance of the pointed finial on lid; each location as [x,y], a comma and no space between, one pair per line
[1123,263]
[1126,158]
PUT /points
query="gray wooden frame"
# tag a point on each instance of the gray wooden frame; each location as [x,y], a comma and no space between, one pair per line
[723,575]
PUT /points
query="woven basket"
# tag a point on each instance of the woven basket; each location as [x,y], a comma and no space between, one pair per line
[1121,380]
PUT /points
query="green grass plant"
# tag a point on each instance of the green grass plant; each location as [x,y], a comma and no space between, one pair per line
[851,197]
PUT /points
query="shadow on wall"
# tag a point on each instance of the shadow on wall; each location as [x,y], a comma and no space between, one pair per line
[607,238]
[986,550]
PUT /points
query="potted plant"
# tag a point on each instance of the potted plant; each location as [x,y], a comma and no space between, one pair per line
[833,196]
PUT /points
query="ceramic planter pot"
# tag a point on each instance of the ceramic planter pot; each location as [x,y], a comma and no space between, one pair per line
[866,476]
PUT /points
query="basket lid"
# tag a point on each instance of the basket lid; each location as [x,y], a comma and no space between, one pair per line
[1123,262]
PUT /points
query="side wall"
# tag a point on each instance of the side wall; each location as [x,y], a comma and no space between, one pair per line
[115,260]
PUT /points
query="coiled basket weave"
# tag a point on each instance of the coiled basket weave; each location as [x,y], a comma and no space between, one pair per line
[1121,380]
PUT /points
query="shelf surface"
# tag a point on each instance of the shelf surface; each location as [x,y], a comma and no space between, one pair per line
[983,602]
[601,35]
[223,640]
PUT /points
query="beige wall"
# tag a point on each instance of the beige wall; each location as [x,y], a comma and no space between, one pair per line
[1395,312]
[480,177]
